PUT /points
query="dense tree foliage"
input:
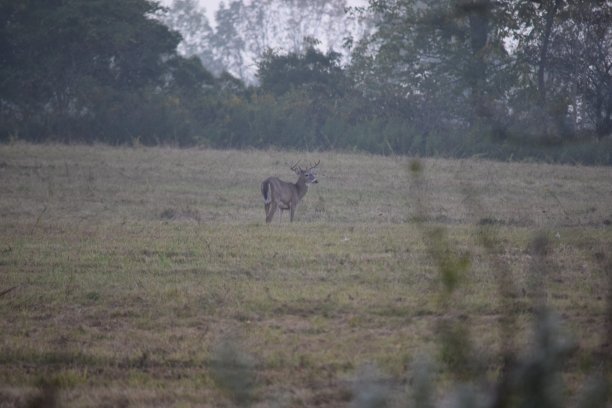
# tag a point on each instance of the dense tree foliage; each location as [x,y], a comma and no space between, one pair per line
[85,70]
[450,77]
[528,73]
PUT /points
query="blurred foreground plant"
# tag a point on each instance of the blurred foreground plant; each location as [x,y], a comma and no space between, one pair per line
[233,372]
[531,379]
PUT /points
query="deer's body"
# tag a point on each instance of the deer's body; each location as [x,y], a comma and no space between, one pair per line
[284,195]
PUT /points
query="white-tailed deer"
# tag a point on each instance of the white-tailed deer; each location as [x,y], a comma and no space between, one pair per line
[286,196]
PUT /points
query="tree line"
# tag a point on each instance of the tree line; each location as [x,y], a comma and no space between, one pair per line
[447,77]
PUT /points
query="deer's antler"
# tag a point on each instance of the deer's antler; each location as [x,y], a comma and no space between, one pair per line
[294,166]
[315,165]
[297,168]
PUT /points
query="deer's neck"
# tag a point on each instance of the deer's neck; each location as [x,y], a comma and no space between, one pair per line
[302,187]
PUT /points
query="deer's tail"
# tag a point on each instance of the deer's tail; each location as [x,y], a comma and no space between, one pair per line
[265,191]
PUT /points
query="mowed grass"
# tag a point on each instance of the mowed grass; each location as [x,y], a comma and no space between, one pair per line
[129,271]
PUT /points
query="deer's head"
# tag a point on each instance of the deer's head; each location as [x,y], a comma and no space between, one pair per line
[307,174]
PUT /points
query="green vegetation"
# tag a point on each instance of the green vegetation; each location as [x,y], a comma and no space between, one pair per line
[147,276]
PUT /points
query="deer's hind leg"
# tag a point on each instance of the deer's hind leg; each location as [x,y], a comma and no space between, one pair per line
[270,210]
[267,208]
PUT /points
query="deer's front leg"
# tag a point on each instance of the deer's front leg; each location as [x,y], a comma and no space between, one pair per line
[292,206]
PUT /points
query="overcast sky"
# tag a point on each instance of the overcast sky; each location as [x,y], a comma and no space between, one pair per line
[211,7]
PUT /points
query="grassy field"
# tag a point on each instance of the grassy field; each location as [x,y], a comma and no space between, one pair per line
[136,277]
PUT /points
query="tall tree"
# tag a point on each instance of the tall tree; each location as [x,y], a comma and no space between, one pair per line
[564,54]
[189,18]
[444,59]
[594,82]
[581,62]
[228,42]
